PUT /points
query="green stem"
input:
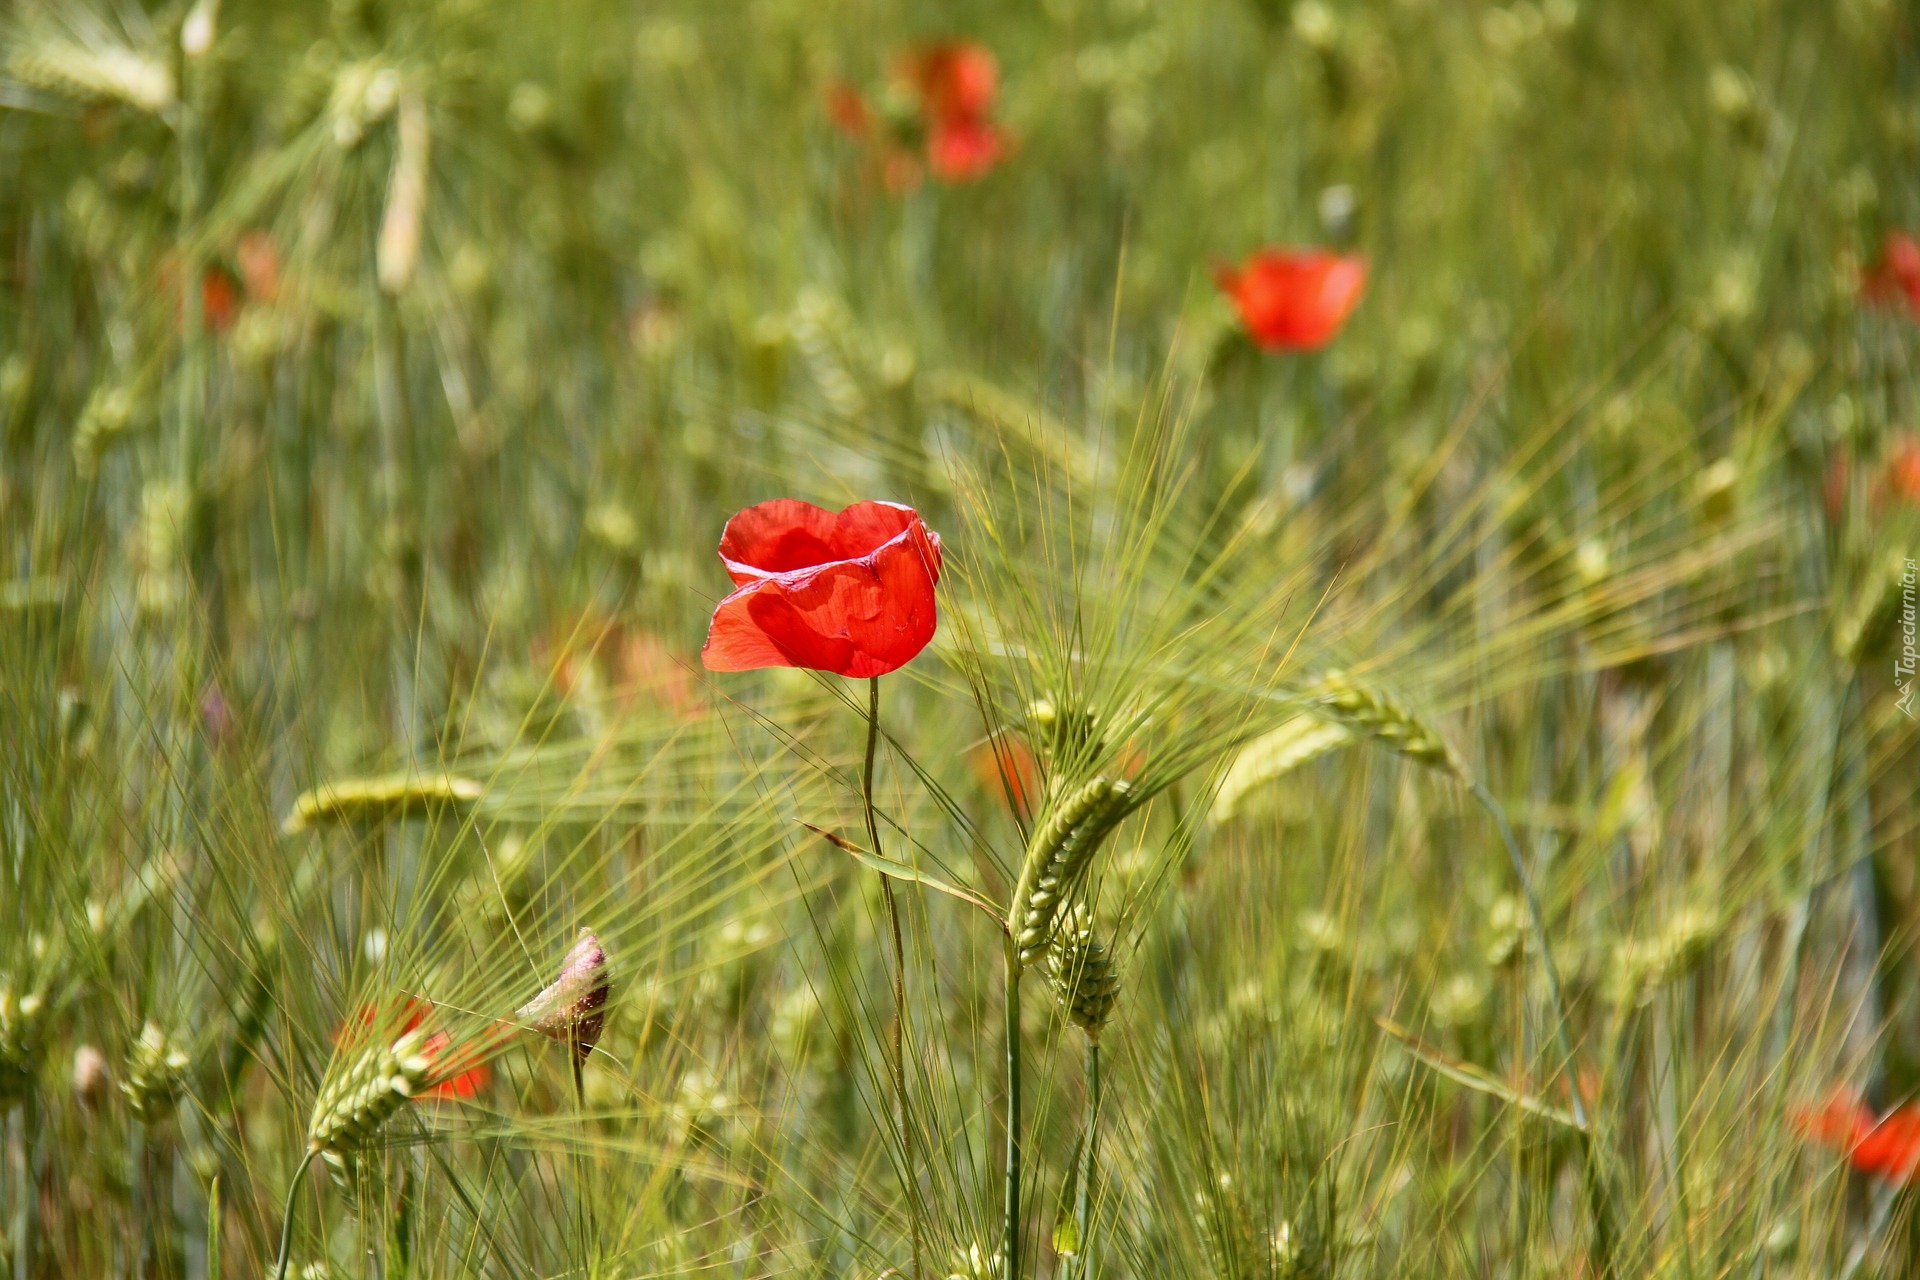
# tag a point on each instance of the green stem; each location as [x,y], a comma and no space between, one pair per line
[1011,1245]
[897,1047]
[213,1229]
[286,1216]
[27,1211]
[1598,1199]
[1083,1208]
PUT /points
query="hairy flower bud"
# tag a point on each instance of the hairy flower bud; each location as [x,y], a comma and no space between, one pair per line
[573,1007]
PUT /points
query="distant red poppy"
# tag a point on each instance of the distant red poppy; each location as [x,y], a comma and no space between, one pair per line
[848,110]
[259,265]
[964,150]
[219,299]
[947,129]
[849,592]
[956,79]
[1895,277]
[1005,767]
[1887,1147]
[457,1072]
[1294,301]
[1903,469]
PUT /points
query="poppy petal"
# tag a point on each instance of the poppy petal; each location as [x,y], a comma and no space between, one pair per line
[787,535]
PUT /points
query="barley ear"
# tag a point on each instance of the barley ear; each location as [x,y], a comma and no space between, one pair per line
[1058,856]
[1082,972]
[1368,712]
[354,1105]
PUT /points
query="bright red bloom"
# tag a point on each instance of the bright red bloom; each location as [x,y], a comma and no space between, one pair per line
[965,149]
[1294,301]
[956,80]
[1887,1147]
[849,592]
[458,1072]
[1896,276]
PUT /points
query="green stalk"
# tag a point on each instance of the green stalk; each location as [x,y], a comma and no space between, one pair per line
[286,1215]
[27,1212]
[1598,1197]
[897,1047]
[213,1229]
[1011,1245]
[1083,1206]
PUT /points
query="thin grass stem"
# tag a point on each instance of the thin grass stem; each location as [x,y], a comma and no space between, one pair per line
[1011,1208]
[286,1214]
[897,1048]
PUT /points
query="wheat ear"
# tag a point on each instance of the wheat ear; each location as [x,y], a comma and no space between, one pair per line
[1058,856]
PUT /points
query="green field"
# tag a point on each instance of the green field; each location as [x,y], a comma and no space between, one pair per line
[1415,772]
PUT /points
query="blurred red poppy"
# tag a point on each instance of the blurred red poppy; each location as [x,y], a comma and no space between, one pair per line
[219,299]
[849,592]
[1006,769]
[945,91]
[1895,277]
[1294,301]
[259,265]
[1887,1147]
[1903,469]
[956,80]
[457,1072]
[963,150]
[848,110]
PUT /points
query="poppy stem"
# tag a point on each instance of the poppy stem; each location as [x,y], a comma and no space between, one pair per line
[897,1047]
[1011,1246]
[1598,1198]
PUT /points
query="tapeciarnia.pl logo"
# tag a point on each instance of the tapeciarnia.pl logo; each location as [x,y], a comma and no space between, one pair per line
[1903,681]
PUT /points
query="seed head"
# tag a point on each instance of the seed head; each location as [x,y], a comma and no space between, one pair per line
[1368,712]
[156,1070]
[573,1007]
[20,1042]
[1057,859]
[1082,972]
[355,1104]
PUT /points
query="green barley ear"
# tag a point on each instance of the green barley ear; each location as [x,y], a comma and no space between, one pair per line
[357,1103]
[156,1070]
[1082,972]
[1368,712]
[372,801]
[1057,858]
[20,1042]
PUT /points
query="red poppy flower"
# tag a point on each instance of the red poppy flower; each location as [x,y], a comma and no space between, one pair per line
[1294,301]
[1887,1147]
[219,299]
[259,265]
[849,592]
[848,110]
[1903,470]
[1895,278]
[963,150]
[956,80]
[1006,769]
[458,1072]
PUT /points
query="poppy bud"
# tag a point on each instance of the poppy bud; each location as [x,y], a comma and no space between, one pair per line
[573,1007]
